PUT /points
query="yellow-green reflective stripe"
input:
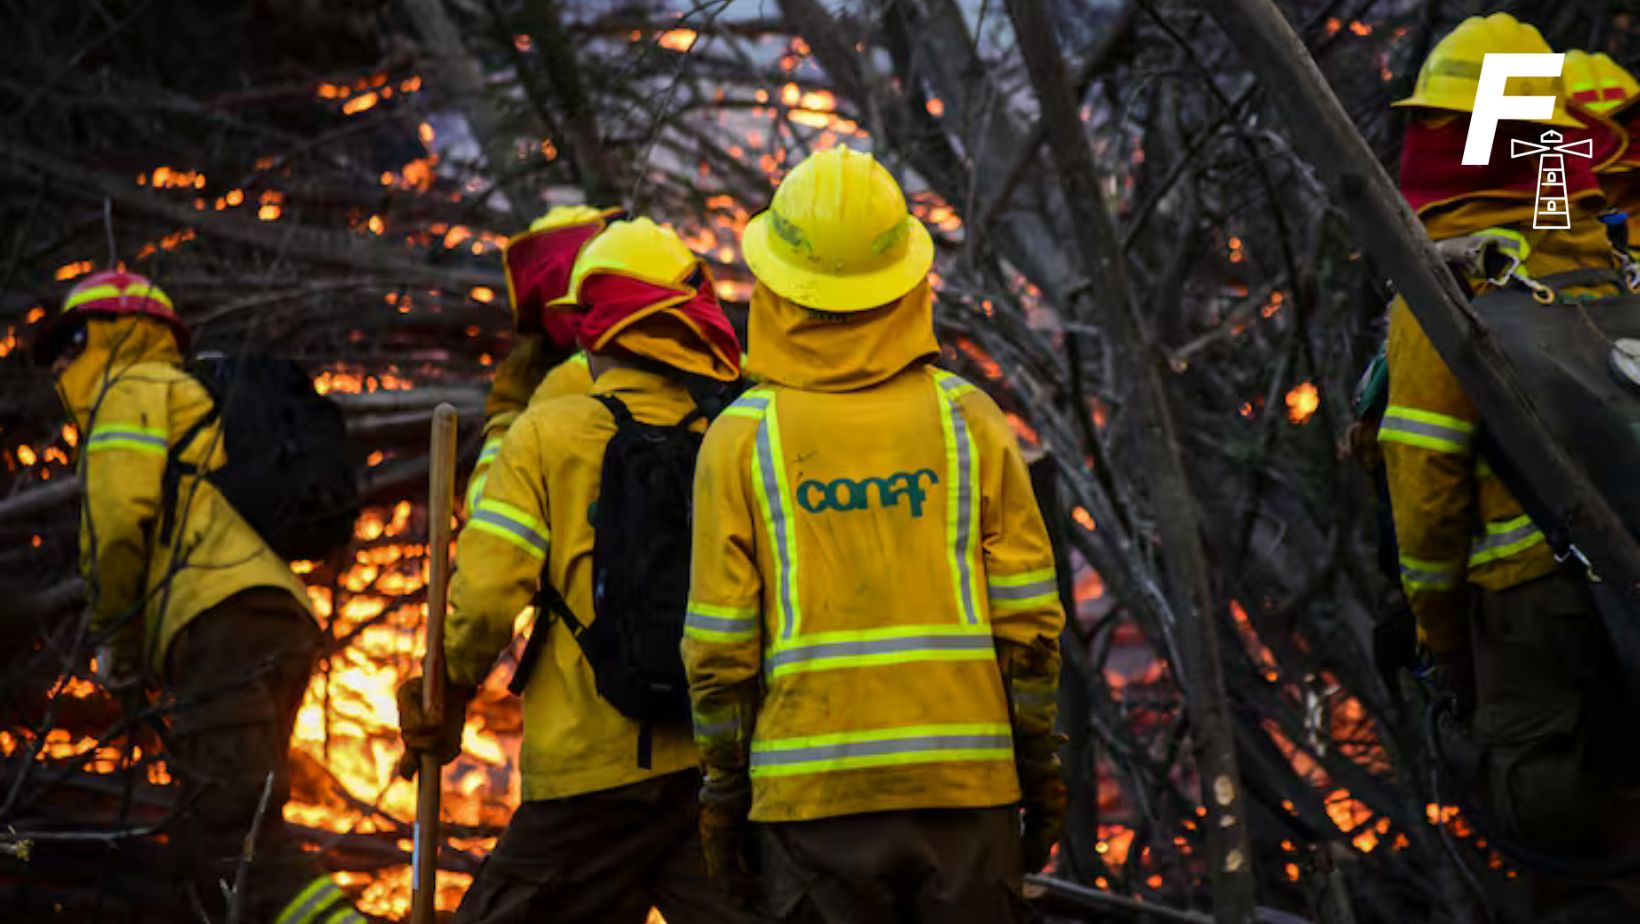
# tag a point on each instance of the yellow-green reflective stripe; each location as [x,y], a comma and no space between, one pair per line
[902,647]
[345,916]
[774,496]
[1422,574]
[308,903]
[580,358]
[515,514]
[492,448]
[475,488]
[1022,591]
[962,463]
[1426,430]
[719,623]
[1504,539]
[882,748]
[150,440]
[95,293]
[1027,577]
[1457,424]
[508,522]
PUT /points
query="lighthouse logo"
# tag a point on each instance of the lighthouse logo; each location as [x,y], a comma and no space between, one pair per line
[1551,210]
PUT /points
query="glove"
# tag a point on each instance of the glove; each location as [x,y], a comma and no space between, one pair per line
[724,830]
[1453,674]
[1043,800]
[420,736]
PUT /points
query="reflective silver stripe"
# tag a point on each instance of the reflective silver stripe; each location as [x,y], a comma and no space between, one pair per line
[1426,429]
[1495,544]
[1022,591]
[309,902]
[717,730]
[112,435]
[852,649]
[517,529]
[965,491]
[847,749]
[490,451]
[699,620]
[778,521]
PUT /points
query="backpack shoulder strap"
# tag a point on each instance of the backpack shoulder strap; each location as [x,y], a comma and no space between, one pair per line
[175,468]
[623,417]
[549,605]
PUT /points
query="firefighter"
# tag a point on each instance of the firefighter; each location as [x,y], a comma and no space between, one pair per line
[545,362]
[604,831]
[1602,95]
[215,615]
[872,636]
[1501,621]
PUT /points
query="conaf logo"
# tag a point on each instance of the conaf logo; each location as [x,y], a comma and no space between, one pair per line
[847,494]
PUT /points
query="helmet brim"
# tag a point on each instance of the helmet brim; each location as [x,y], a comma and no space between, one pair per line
[1418,101]
[827,292]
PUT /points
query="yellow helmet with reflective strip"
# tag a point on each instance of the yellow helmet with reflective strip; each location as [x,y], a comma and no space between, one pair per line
[1452,72]
[1596,82]
[838,236]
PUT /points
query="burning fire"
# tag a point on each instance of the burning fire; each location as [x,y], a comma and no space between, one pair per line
[346,740]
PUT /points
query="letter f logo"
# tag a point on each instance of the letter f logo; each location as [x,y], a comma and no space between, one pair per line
[1492,105]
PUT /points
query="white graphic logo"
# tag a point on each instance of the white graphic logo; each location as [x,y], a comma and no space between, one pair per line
[1552,210]
[1492,105]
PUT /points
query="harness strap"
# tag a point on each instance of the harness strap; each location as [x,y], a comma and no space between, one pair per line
[549,604]
[175,468]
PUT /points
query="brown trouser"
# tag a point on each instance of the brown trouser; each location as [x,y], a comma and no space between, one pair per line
[928,866]
[237,672]
[601,858]
[1560,745]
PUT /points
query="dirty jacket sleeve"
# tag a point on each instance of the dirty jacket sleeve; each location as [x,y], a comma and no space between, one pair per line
[515,379]
[499,556]
[123,466]
[1022,589]
[723,631]
[1428,435]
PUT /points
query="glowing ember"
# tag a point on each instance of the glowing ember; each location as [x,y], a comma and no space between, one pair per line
[678,40]
[1302,402]
[70,270]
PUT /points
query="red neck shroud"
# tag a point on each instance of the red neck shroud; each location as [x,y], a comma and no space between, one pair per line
[538,271]
[1433,173]
[614,302]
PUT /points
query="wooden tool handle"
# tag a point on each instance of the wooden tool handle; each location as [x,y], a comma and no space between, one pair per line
[440,508]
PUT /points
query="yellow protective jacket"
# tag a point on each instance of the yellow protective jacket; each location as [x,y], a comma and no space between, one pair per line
[536,510]
[519,383]
[1455,522]
[867,547]
[131,401]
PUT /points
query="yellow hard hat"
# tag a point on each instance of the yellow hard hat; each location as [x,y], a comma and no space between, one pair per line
[562,216]
[638,248]
[1452,72]
[1597,83]
[837,236]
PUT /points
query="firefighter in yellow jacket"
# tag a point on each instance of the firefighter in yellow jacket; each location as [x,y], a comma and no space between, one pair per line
[213,614]
[607,827]
[1496,613]
[872,638]
[544,363]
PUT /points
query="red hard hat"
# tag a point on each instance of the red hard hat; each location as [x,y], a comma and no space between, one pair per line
[108,294]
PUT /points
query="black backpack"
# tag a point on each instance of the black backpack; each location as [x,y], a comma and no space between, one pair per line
[290,472]
[640,573]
